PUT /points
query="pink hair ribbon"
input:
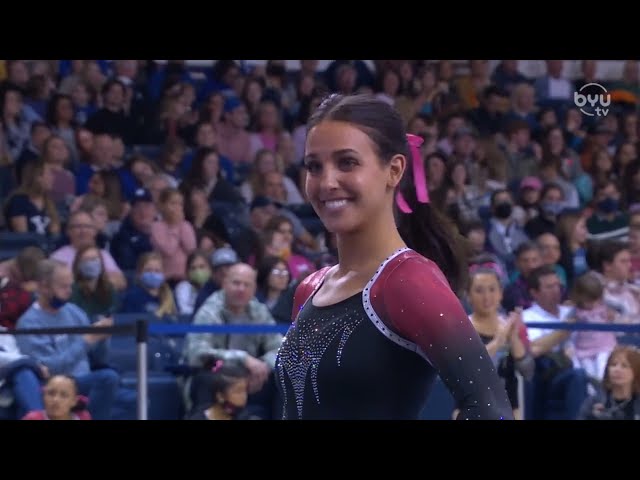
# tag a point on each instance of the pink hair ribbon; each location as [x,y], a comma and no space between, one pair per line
[486,265]
[419,176]
[496,268]
[217,366]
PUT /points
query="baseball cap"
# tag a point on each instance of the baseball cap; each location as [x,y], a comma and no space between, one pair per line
[224,256]
[231,103]
[531,182]
[141,195]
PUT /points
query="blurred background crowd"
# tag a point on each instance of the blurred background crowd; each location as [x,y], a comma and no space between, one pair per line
[144,187]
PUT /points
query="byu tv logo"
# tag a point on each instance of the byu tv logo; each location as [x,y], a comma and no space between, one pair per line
[594,103]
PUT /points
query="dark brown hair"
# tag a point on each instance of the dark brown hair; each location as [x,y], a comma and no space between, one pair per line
[425,230]
[632,354]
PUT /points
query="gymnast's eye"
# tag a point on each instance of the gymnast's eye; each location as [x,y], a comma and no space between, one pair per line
[313,166]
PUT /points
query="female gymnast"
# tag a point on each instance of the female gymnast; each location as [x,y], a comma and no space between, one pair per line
[371,334]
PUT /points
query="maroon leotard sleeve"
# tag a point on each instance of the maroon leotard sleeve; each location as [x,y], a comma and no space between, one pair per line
[413,298]
[305,289]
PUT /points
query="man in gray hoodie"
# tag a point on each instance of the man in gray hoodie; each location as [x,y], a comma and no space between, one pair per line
[236,304]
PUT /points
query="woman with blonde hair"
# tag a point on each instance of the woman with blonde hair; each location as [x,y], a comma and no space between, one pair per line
[30,208]
[150,293]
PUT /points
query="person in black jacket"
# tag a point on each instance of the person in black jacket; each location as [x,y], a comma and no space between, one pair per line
[205,173]
[134,237]
[113,119]
[619,398]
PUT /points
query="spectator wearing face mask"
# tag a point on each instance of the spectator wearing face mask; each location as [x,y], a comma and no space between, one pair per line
[92,289]
[550,206]
[505,235]
[220,260]
[75,355]
[198,274]
[151,293]
[608,222]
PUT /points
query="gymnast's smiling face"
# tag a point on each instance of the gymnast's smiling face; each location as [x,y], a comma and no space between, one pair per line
[347,182]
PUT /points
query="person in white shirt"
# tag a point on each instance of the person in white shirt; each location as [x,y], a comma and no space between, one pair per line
[546,290]
[557,390]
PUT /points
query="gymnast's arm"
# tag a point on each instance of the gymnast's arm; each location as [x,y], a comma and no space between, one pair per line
[419,305]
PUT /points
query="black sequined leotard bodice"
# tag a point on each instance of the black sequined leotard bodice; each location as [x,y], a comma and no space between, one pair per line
[335,364]
[376,354]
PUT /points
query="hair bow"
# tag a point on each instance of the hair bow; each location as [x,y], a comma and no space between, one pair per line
[419,176]
[216,368]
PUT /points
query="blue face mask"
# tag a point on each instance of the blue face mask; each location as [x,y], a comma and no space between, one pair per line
[57,303]
[90,268]
[151,279]
[552,208]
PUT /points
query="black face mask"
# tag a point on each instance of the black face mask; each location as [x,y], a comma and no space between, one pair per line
[608,205]
[503,210]
[231,409]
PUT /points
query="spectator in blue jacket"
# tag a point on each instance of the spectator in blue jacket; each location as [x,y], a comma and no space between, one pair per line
[69,354]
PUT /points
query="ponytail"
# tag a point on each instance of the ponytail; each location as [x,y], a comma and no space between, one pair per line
[167,304]
[427,231]
[432,235]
